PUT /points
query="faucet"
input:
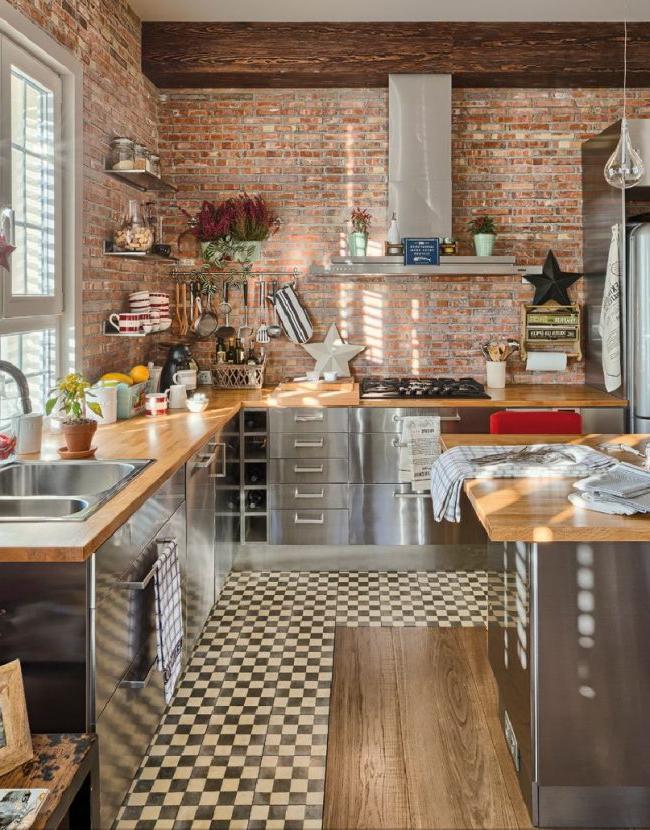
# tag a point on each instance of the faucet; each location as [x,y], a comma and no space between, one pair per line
[21,383]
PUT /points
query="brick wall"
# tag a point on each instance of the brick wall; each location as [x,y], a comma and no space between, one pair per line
[316,153]
[117,99]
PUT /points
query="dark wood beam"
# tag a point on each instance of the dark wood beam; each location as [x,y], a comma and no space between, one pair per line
[213,55]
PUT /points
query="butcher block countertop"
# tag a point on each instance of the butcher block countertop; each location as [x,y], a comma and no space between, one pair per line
[538,510]
[172,439]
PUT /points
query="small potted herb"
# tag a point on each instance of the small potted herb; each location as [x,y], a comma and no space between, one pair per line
[358,239]
[71,394]
[484,233]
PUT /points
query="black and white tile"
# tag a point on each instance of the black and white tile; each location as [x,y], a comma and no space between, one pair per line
[243,744]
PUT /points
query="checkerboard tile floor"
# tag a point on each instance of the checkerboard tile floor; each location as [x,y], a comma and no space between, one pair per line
[243,744]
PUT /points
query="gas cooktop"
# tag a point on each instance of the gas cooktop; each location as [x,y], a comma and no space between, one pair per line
[422,388]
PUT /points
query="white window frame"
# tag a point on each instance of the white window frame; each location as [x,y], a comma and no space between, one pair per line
[40,56]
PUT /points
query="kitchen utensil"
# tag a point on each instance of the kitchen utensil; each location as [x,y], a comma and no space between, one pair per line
[262,331]
[207,322]
[609,447]
[179,318]
[178,358]
[183,327]
[226,332]
[275,329]
[245,330]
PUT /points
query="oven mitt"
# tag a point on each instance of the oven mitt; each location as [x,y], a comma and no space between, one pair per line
[293,317]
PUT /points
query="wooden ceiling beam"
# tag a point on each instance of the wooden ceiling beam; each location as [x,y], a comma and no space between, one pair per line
[218,55]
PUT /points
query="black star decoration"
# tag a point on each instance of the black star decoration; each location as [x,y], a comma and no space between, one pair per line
[552,283]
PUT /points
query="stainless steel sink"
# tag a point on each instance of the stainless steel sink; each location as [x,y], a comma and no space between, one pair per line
[61,490]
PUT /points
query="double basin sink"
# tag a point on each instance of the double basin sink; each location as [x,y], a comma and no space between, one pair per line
[45,491]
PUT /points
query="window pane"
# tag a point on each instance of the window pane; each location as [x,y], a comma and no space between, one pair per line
[35,353]
[32,185]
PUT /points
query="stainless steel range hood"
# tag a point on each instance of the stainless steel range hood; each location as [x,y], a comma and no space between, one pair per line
[419,154]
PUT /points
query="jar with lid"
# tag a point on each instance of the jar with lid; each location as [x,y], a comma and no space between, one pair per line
[122,155]
[134,233]
[188,244]
[140,157]
[154,165]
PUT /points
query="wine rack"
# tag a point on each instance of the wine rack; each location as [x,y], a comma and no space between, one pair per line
[254,473]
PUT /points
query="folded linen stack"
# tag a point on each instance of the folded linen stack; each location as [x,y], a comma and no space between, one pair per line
[536,460]
[622,490]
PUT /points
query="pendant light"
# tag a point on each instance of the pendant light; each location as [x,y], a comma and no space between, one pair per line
[624,167]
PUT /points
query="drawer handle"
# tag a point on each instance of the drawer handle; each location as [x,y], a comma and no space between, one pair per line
[318,469]
[298,495]
[204,461]
[298,444]
[140,683]
[142,584]
[223,472]
[397,419]
[298,521]
[303,419]
[425,494]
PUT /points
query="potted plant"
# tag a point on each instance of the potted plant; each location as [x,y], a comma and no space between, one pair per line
[484,233]
[235,229]
[358,238]
[71,394]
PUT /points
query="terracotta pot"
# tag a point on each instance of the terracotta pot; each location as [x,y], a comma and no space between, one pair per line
[79,436]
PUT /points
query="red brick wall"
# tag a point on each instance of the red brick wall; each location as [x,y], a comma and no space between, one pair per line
[117,99]
[316,153]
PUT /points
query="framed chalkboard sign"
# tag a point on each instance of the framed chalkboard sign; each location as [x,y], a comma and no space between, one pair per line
[421,250]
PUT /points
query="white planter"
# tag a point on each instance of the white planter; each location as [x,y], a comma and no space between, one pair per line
[496,373]
[484,243]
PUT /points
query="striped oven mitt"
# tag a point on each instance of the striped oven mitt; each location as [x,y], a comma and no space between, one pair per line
[293,317]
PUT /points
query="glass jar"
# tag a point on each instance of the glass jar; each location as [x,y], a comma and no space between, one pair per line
[140,157]
[134,233]
[122,156]
[188,244]
[154,165]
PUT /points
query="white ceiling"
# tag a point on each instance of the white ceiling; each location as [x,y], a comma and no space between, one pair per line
[390,10]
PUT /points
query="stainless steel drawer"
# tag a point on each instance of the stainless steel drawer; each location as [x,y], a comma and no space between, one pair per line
[391,514]
[308,527]
[295,471]
[389,419]
[313,445]
[309,496]
[125,729]
[309,419]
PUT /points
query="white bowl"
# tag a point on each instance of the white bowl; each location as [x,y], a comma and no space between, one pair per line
[163,325]
[139,295]
[197,404]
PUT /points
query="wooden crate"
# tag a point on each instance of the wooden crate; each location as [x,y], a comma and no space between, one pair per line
[556,319]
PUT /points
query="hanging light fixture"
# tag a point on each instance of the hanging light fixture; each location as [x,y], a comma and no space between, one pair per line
[624,167]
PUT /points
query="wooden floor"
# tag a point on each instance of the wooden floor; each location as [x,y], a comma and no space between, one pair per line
[414,736]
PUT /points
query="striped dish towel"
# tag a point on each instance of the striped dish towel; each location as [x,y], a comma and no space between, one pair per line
[293,317]
[535,460]
[169,615]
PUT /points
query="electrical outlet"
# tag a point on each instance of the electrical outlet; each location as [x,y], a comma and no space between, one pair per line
[205,377]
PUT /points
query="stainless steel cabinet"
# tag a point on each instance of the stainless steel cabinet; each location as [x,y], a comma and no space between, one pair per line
[201,472]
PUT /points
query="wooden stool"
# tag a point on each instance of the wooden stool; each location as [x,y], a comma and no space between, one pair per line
[67,766]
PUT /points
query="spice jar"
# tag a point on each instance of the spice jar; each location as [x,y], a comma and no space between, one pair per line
[140,157]
[133,234]
[122,156]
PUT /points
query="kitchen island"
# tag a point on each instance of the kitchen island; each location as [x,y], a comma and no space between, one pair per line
[568,623]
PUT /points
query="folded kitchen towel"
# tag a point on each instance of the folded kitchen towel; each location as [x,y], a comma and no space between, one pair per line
[623,489]
[419,448]
[451,469]
[169,615]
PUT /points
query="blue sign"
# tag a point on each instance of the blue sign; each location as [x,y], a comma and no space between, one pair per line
[421,251]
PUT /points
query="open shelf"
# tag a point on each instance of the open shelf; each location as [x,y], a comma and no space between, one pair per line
[141,255]
[383,266]
[140,179]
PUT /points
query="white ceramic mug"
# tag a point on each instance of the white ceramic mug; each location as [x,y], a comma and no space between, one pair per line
[177,396]
[187,377]
[126,322]
[29,431]
[106,397]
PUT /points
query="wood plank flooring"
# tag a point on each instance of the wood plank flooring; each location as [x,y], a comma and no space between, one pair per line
[414,737]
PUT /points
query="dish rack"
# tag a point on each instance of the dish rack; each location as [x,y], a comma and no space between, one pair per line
[238,376]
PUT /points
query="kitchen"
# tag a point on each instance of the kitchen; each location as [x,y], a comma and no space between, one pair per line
[308,557]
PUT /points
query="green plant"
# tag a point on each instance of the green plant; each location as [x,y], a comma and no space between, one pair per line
[482,224]
[71,393]
[227,249]
[360,220]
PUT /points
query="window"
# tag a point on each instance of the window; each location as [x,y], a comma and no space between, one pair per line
[34,320]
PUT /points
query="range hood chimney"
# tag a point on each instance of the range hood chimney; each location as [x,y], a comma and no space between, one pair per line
[419,154]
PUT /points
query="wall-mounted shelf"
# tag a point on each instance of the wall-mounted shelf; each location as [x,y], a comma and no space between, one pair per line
[139,255]
[140,179]
[382,266]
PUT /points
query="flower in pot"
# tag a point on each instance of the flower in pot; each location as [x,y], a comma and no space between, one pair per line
[252,223]
[234,230]
[71,395]
[484,233]
[358,239]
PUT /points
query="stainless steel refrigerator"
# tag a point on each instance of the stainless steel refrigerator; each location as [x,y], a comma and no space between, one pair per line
[602,207]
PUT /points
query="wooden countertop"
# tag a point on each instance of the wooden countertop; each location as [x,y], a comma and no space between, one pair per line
[172,439]
[538,510]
